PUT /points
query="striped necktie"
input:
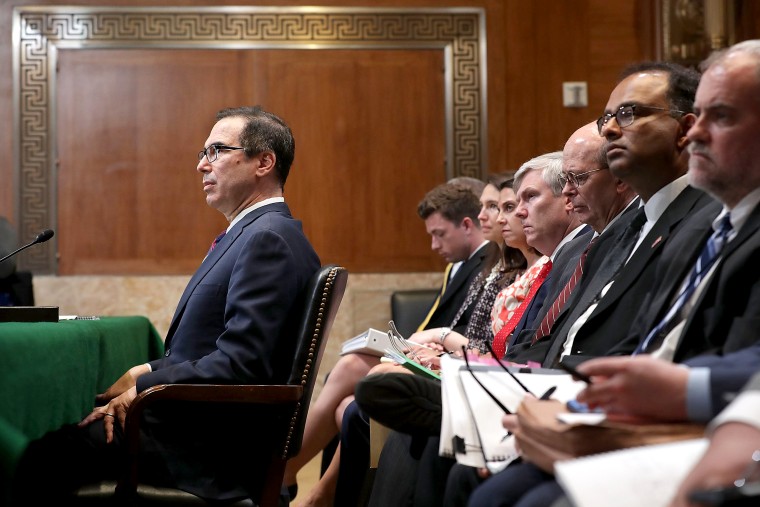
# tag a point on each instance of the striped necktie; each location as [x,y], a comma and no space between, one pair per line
[551,316]
[707,258]
[433,308]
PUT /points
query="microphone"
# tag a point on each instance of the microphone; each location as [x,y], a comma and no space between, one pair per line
[41,238]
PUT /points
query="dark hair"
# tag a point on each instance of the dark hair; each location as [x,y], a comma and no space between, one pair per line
[498,179]
[453,201]
[682,82]
[264,131]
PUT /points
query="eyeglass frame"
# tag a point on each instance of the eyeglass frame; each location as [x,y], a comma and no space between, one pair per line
[217,148]
[580,179]
[606,117]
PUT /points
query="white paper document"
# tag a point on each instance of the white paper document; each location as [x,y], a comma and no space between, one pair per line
[471,429]
[646,476]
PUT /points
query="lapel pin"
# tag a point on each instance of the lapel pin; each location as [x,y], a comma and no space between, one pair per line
[657,241]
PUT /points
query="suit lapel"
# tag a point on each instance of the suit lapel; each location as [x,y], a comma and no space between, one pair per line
[652,243]
[748,231]
[462,275]
[213,257]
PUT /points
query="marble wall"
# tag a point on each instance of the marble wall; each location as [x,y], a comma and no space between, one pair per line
[365,304]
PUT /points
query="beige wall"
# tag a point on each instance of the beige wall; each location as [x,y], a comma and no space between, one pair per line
[365,304]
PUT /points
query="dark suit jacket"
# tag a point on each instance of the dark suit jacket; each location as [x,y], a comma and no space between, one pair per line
[562,269]
[456,293]
[599,256]
[611,320]
[726,317]
[728,373]
[233,324]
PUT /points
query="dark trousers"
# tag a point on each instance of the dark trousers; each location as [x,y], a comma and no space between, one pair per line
[354,457]
[519,485]
[410,473]
[54,466]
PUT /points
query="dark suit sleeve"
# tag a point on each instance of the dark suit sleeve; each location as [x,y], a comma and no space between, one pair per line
[264,278]
[728,373]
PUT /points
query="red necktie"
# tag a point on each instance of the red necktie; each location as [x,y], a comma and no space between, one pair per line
[500,340]
[548,321]
[216,241]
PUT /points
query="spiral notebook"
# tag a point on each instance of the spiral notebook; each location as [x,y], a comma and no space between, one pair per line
[471,430]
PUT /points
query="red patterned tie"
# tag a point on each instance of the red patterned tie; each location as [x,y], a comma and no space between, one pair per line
[216,241]
[546,324]
[500,340]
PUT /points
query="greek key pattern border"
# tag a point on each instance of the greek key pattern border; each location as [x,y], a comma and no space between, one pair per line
[39,31]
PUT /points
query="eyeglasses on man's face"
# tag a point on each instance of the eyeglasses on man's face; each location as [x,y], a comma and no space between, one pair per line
[212,152]
[577,180]
[625,115]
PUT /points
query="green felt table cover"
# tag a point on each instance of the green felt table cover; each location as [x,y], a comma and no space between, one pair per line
[50,373]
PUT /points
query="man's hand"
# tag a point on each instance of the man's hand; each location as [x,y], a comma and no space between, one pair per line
[725,461]
[125,382]
[639,386]
[116,410]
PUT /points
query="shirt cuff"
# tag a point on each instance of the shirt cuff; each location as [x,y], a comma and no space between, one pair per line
[698,395]
[744,409]
[149,367]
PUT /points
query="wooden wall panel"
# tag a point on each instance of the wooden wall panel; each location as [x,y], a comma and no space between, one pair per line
[369,129]
[130,123]
[369,136]
[549,42]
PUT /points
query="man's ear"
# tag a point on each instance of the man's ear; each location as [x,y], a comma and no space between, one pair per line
[267,161]
[467,223]
[685,123]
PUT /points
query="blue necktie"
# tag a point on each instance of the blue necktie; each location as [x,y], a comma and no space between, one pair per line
[707,258]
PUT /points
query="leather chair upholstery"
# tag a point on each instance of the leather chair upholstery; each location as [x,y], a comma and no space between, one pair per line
[410,307]
[324,294]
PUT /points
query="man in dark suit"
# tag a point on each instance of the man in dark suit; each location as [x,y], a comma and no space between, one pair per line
[450,212]
[603,202]
[233,324]
[645,127]
[718,323]
[599,200]
[593,323]
[550,227]
[702,312]
[454,235]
